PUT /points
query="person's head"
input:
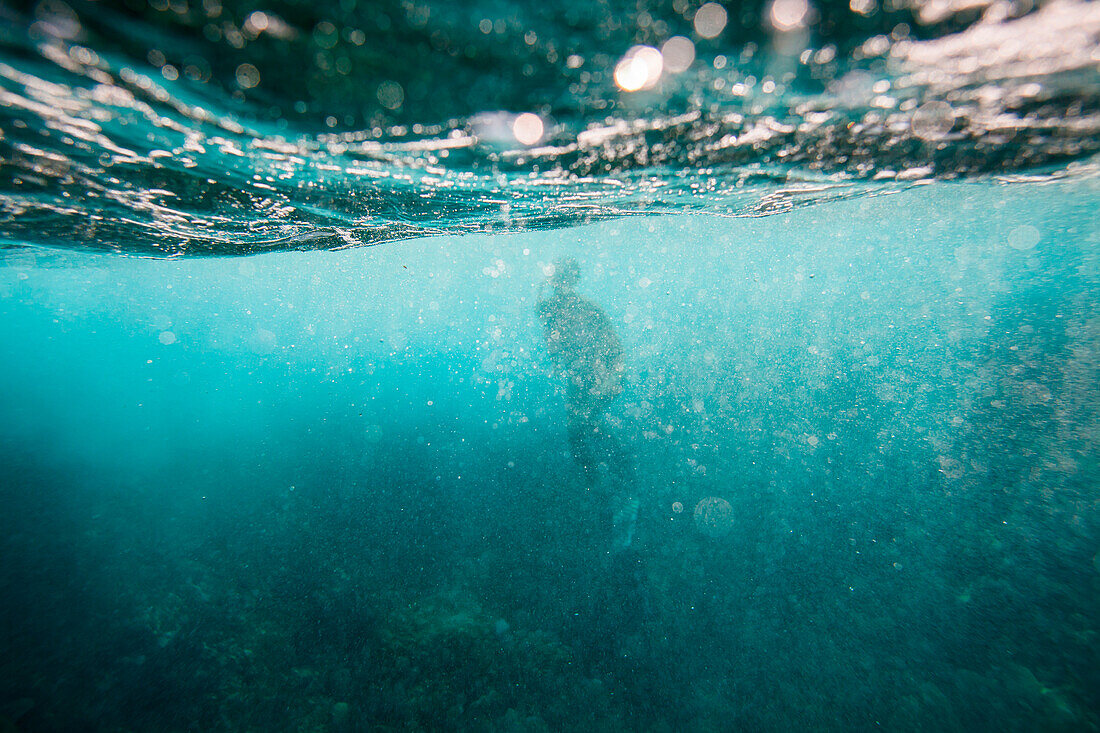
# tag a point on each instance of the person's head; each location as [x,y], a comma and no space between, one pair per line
[567,273]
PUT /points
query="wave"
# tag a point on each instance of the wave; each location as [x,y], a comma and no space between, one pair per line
[106,151]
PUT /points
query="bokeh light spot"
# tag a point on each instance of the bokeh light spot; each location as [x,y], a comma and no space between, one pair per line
[640,68]
[932,120]
[390,95]
[248,76]
[528,128]
[256,22]
[710,20]
[789,15]
[678,53]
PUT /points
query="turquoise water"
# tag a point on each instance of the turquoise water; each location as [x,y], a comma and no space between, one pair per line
[259,475]
[248,491]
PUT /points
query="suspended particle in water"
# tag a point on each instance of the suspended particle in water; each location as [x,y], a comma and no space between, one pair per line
[710,20]
[714,516]
[1023,237]
[932,120]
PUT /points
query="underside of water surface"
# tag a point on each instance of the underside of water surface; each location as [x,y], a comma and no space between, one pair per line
[506,366]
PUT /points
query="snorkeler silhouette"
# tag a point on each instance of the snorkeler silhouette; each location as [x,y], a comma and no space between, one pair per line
[583,345]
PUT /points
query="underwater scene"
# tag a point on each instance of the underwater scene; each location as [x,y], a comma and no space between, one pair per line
[626,365]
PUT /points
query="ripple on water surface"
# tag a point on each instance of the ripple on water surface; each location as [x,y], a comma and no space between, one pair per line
[696,111]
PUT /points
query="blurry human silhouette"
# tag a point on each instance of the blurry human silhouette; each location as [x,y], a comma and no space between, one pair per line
[586,349]
[584,346]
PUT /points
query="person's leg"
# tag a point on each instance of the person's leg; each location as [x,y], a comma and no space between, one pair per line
[624,520]
[583,443]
